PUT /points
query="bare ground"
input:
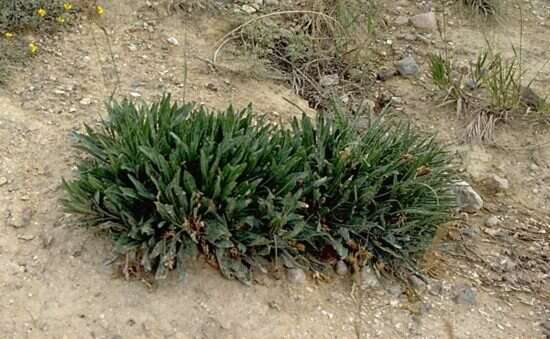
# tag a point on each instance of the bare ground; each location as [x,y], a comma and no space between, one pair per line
[53,276]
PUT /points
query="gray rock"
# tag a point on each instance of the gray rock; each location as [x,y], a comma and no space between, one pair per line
[467,199]
[497,184]
[492,221]
[248,9]
[471,231]
[395,291]
[417,284]
[424,21]
[401,20]
[369,279]
[386,74]
[341,268]
[296,275]
[271,2]
[173,41]
[329,80]
[19,218]
[471,84]
[85,101]
[464,295]
[3,181]
[407,66]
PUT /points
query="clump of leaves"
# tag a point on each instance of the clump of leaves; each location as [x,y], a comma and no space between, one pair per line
[16,15]
[169,181]
[486,8]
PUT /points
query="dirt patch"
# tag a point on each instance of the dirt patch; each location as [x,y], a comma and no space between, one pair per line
[54,277]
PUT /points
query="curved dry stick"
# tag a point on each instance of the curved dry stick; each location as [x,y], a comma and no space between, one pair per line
[226,38]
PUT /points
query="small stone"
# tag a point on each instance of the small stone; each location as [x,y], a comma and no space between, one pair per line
[417,284]
[116,336]
[424,21]
[492,221]
[497,184]
[471,84]
[72,110]
[132,47]
[464,295]
[3,181]
[135,95]
[395,291]
[368,278]
[271,2]
[248,9]
[212,87]
[59,92]
[407,66]
[529,97]
[19,218]
[296,275]
[85,101]
[329,80]
[401,20]
[467,199]
[471,231]
[173,41]
[386,74]
[341,268]
[26,237]
[396,100]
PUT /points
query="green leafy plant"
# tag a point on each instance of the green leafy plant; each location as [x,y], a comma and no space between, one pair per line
[486,8]
[18,15]
[169,181]
[503,83]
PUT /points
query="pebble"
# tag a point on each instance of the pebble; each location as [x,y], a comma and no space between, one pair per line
[417,284]
[296,275]
[341,268]
[26,237]
[20,218]
[407,66]
[85,101]
[464,295]
[386,74]
[497,184]
[492,221]
[173,41]
[369,278]
[3,181]
[424,21]
[135,95]
[467,199]
[249,9]
[401,20]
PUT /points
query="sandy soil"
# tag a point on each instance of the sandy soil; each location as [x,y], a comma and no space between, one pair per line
[53,276]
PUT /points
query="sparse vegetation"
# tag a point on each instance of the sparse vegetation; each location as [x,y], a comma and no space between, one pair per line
[167,181]
[325,38]
[486,8]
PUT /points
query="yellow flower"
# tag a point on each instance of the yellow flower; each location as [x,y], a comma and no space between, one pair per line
[41,12]
[33,49]
[100,10]
[8,35]
[67,6]
[60,19]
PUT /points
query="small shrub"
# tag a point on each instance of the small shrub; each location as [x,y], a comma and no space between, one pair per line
[16,15]
[168,181]
[486,8]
